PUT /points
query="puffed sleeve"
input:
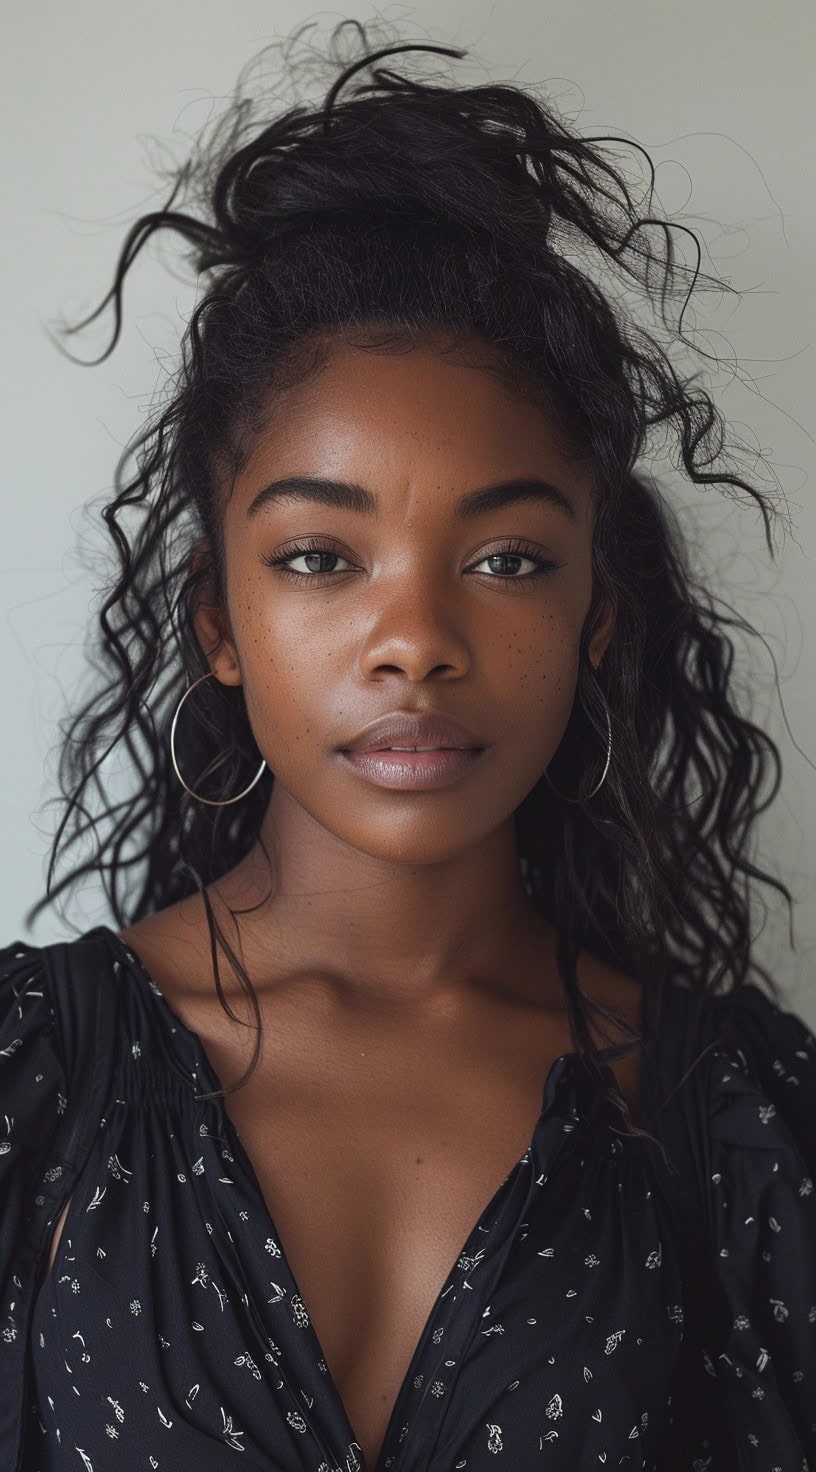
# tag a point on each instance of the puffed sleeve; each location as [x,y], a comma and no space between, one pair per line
[32,1098]
[760,1159]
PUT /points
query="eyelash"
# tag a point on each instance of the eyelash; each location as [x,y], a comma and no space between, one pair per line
[513,549]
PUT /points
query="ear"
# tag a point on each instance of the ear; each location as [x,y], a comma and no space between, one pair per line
[602,632]
[210,620]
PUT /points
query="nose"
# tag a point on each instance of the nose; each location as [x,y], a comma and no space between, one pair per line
[417,635]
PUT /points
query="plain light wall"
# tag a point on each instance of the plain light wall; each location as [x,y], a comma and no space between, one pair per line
[720,93]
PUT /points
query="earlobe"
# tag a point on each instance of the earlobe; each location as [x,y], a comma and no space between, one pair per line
[602,633]
[216,645]
[211,628]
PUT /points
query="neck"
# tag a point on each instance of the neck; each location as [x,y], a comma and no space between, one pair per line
[387,932]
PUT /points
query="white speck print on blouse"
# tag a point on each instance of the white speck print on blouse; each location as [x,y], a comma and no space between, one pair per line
[171,1335]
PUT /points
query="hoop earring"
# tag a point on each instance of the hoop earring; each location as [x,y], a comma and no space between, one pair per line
[211,802]
[598,785]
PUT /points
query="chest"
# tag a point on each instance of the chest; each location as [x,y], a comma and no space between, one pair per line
[375,1188]
[377,1164]
[571,1324]
[376,1151]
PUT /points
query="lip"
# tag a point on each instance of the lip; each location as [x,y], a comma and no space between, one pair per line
[414,770]
[414,728]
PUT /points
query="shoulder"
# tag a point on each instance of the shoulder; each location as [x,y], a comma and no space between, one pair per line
[763,1081]
[32,1075]
[741,1069]
[750,1088]
[737,1052]
[766,1031]
[760,1158]
[173,946]
[25,1009]
[39,1021]
[19,960]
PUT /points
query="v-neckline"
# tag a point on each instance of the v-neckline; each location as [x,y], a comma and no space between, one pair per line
[562,1072]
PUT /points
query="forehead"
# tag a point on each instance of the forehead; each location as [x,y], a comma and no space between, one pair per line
[449,408]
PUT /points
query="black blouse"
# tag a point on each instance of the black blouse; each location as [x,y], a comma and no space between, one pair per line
[170,1333]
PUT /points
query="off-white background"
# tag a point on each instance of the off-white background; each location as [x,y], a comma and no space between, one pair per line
[721,93]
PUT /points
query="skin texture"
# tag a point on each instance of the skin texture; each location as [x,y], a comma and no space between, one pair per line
[408,989]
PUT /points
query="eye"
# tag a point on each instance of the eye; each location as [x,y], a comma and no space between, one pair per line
[514,553]
[311,550]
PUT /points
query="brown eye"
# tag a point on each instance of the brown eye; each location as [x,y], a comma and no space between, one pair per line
[514,553]
[313,552]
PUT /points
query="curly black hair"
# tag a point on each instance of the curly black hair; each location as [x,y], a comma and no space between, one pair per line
[399,208]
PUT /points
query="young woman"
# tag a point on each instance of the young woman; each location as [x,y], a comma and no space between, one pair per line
[432,880]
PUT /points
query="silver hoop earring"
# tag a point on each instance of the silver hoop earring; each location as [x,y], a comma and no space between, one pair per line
[211,802]
[598,785]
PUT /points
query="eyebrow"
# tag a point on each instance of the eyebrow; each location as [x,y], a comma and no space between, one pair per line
[343,495]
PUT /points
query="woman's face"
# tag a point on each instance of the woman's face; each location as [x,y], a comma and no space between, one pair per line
[418,606]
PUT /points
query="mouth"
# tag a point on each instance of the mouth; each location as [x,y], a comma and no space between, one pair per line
[415,768]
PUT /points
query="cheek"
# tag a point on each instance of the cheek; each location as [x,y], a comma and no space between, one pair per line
[286,675]
[538,654]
